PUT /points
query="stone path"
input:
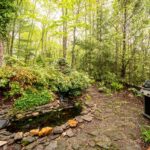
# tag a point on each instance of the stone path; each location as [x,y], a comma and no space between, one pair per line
[107,122]
[116,125]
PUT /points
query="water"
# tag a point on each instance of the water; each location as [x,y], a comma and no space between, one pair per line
[52,119]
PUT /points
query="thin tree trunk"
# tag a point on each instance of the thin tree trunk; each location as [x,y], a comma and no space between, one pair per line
[123,68]
[73,48]
[74,38]
[64,13]
[12,37]
[1,53]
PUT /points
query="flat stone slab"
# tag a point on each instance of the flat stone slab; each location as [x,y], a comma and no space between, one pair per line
[3,143]
[87,118]
[3,123]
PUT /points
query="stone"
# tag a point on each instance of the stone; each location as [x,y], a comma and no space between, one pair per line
[17,147]
[19,116]
[53,137]
[11,141]
[75,146]
[39,147]
[93,133]
[3,123]
[89,103]
[31,146]
[26,134]
[79,119]
[27,140]
[103,142]
[58,130]
[69,133]
[35,114]
[101,89]
[5,147]
[91,143]
[52,145]
[85,112]
[18,136]
[65,126]
[87,118]
[3,143]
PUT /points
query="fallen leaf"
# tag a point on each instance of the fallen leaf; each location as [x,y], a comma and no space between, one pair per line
[45,131]
[72,123]
[34,132]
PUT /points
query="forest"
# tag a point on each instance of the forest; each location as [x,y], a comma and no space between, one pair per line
[75,62]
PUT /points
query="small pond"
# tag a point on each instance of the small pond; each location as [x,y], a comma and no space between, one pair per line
[52,119]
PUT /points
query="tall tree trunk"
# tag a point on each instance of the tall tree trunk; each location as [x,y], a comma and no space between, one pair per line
[74,37]
[64,13]
[116,57]
[123,68]
[12,37]
[1,52]
[73,48]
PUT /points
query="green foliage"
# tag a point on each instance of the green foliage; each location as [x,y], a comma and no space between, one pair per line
[116,86]
[17,81]
[135,92]
[73,84]
[146,134]
[32,99]
[3,82]
[7,10]
[110,82]
[15,88]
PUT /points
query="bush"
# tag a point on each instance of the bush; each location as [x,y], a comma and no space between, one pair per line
[110,82]
[116,86]
[135,92]
[16,81]
[146,134]
[73,84]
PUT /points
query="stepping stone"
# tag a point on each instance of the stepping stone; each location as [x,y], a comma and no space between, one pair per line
[3,143]
[79,119]
[103,142]
[87,118]
[69,133]
[58,130]
[52,146]
[18,136]
[27,140]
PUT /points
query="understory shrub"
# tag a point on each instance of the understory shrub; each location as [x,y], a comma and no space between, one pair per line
[146,134]
[73,84]
[15,82]
[110,82]
[135,92]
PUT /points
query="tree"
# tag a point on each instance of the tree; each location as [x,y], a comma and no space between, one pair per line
[7,10]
